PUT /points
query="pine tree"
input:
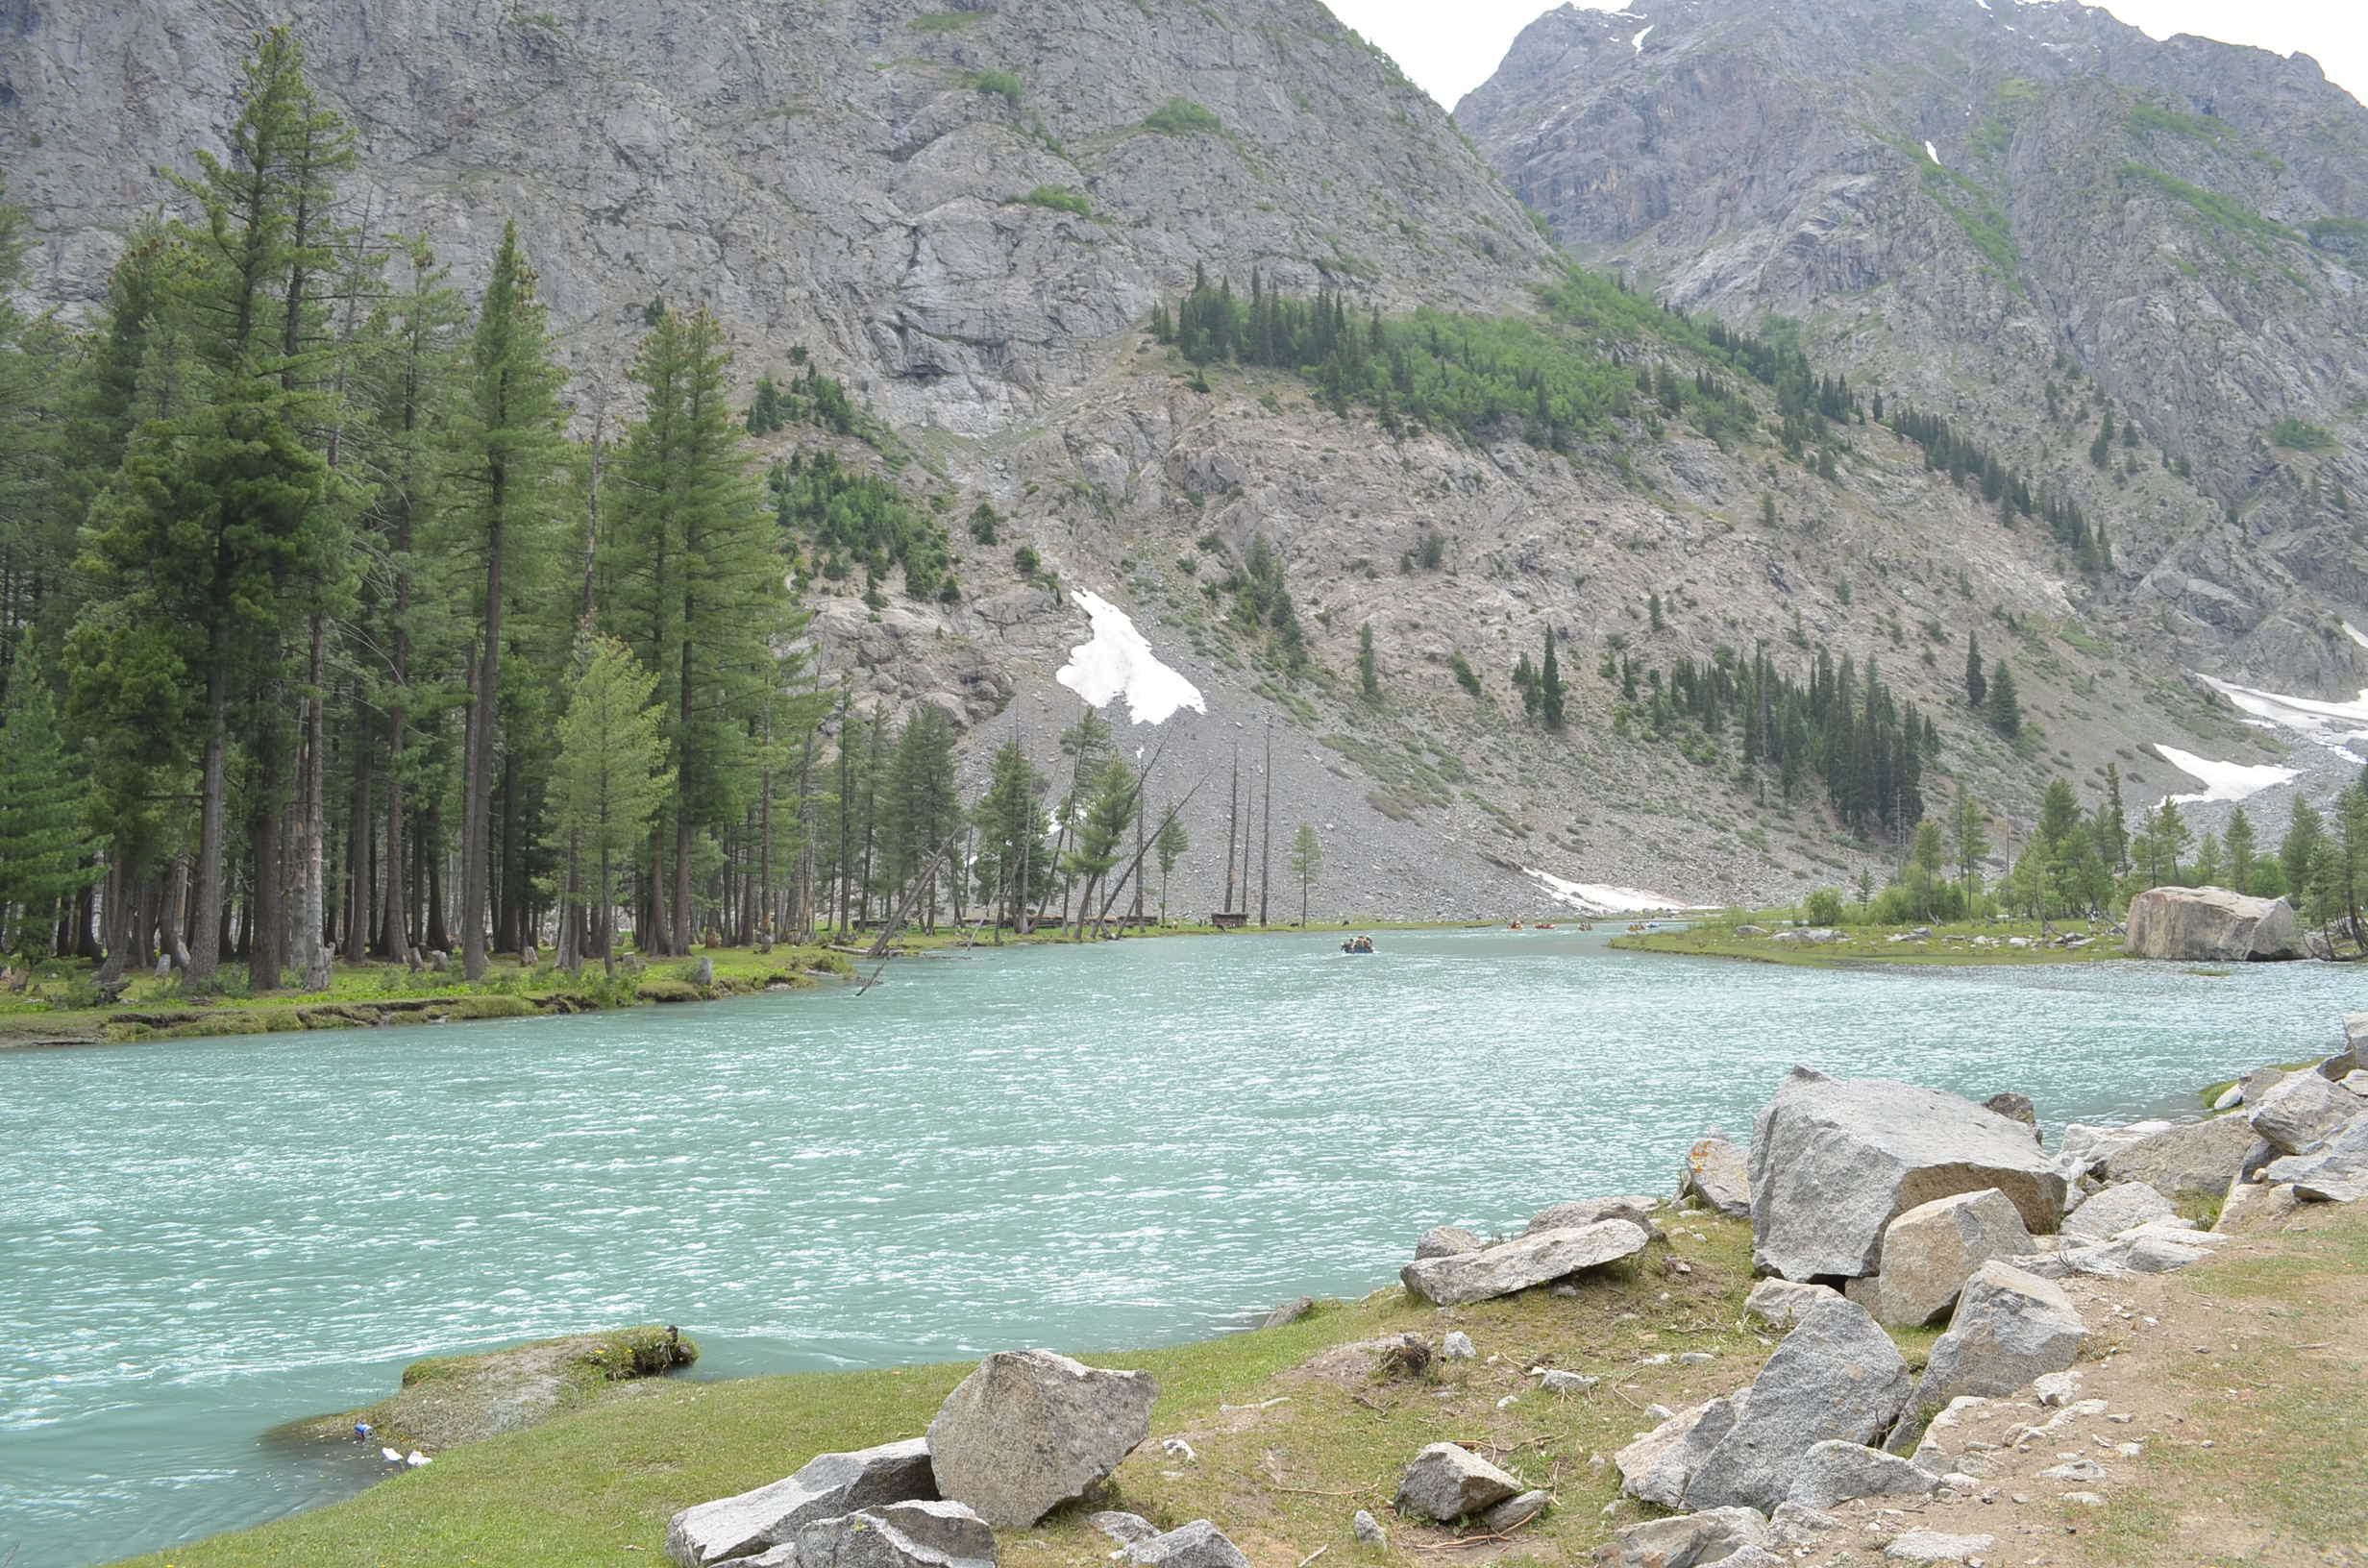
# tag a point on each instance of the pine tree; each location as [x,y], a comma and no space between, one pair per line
[506,461]
[1171,845]
[1368,677]
[1306,864]
[1550,686]
[1109,812]
[2298,854]
[2004,713]
[610,776]
[1969,842]
[1977,686]
[695,587]
[45,852]
[2240,851]
[1011,825]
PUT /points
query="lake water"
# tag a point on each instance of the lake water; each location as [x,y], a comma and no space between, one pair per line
[1089,1149]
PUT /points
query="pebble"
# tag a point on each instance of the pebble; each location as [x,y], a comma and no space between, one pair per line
[1508,1402]
[1367,1529]
[1696,1358]
[1658,1413]
[2086,1500]
[1457,1346]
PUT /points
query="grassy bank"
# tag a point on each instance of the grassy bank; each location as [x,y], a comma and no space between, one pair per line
[1967,943]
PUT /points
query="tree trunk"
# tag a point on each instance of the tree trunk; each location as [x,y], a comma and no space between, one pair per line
[170,914]
[434,932]
[205,965]
[311,900]
[359,842]
[477,786]
[266,839]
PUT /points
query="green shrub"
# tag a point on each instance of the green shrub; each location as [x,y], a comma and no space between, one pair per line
[1001,85]
[2298,436]
[490,1007]
[1825,907]
[666,991]
[944,22]
[1059,198]
[1182,117]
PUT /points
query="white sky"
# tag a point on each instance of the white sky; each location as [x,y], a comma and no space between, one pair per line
[1451,48]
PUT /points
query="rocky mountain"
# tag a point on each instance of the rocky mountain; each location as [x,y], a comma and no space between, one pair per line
[2015,215]
[970,216]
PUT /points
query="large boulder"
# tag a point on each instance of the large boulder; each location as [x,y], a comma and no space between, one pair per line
[1197,1545]
[1514,1265]
[1687,1541]
[1446,1241]
[1835,1472]
[1718,1173]
[2115,1210]
[2196,1159]
[1656,1465]
[1030,1430]
[2304,1111]
[1779,1303]
[1445,1482]
[897,1535]
[1566,1217]
[827,1486]
[1930,1252]
[1836,1376]
[2336,1171]
[1834,1161]
[2010,1327]
[2211,925]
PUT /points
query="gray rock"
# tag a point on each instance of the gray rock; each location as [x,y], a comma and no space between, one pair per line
[1813,936]
[1288,1312]
[1834,1162]
[1446,1241]
[1457,1346]
[1515,1265]
[1197,1545]
[1930,1252]
[2211,925]
[2196,1159]
[2014,1108]
[2075,1470]
[1368,1529]
[824,1487]
[2230,1098]
[1563,1217]
[1125,1528]
[2085,1148]
[1752,1556]
[1933,1546]
[1793,1525]
[2261,1080]
[1446,1482]
[1515,1511]
[2304,1111]
[1835,1472]
[1688,1541]
[2341,1160]
[2009,1327]
[1836,1376]
[1031,1429]
[703,976]
[2354,1052]
[1555,1381]
[1781,1302]
[2117,1209]
[1718,1173]
[1656,1466]
[898,1536]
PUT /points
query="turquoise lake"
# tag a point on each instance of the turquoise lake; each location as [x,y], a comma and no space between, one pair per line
[1090,1150]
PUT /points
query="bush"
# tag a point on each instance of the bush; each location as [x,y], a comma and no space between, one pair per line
[1182,117]
[491,1007]
[1824,907]
[2296,435]
[1026,561]
[1059,198]
[1001,85]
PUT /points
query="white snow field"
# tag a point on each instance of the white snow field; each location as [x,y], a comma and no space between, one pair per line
[1117,662]
[2225,781]
[1593,899]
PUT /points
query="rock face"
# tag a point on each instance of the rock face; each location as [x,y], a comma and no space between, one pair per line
[827,1486]
[1836,1377]
[2011,1327]
[2115,1210]
[1718,1173]
[2197,1160]
[1834,1161]
[1930,1252]
[1657,1467]
[2304,1111]
[1518,1264]
[1446,1482]
[898,1536]
[1031,1429]
[2211,925]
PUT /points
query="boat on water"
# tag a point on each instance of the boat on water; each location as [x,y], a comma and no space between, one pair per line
[1357,944]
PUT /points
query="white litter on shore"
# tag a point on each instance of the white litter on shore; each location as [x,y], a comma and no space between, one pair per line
[1593,899]
[1117,662]
[2222,781]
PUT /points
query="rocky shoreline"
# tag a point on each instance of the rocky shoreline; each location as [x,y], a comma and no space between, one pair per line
[1876,1206]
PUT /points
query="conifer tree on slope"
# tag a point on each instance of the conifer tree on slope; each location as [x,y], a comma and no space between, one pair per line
[610,776]
[45,852]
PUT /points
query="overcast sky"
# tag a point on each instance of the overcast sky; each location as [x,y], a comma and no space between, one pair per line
[1451,46]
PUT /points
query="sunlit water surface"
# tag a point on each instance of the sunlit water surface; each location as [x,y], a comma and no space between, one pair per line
[1117,1147]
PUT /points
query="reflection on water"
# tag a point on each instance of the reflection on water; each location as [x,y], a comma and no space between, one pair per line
[1101,1148]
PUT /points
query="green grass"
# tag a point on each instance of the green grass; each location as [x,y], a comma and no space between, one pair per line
[1182,117]
[597,1484]
[1055,198]
[2297,435]
[946,21]
[1003,85]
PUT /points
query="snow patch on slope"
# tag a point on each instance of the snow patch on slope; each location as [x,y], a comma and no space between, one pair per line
[2228,781]
[1638,42]
[1931,152]
[1593,899]
[2356,634]
[2332,724]
[1117,662]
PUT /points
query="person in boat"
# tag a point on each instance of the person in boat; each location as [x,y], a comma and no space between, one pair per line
[1358,944]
